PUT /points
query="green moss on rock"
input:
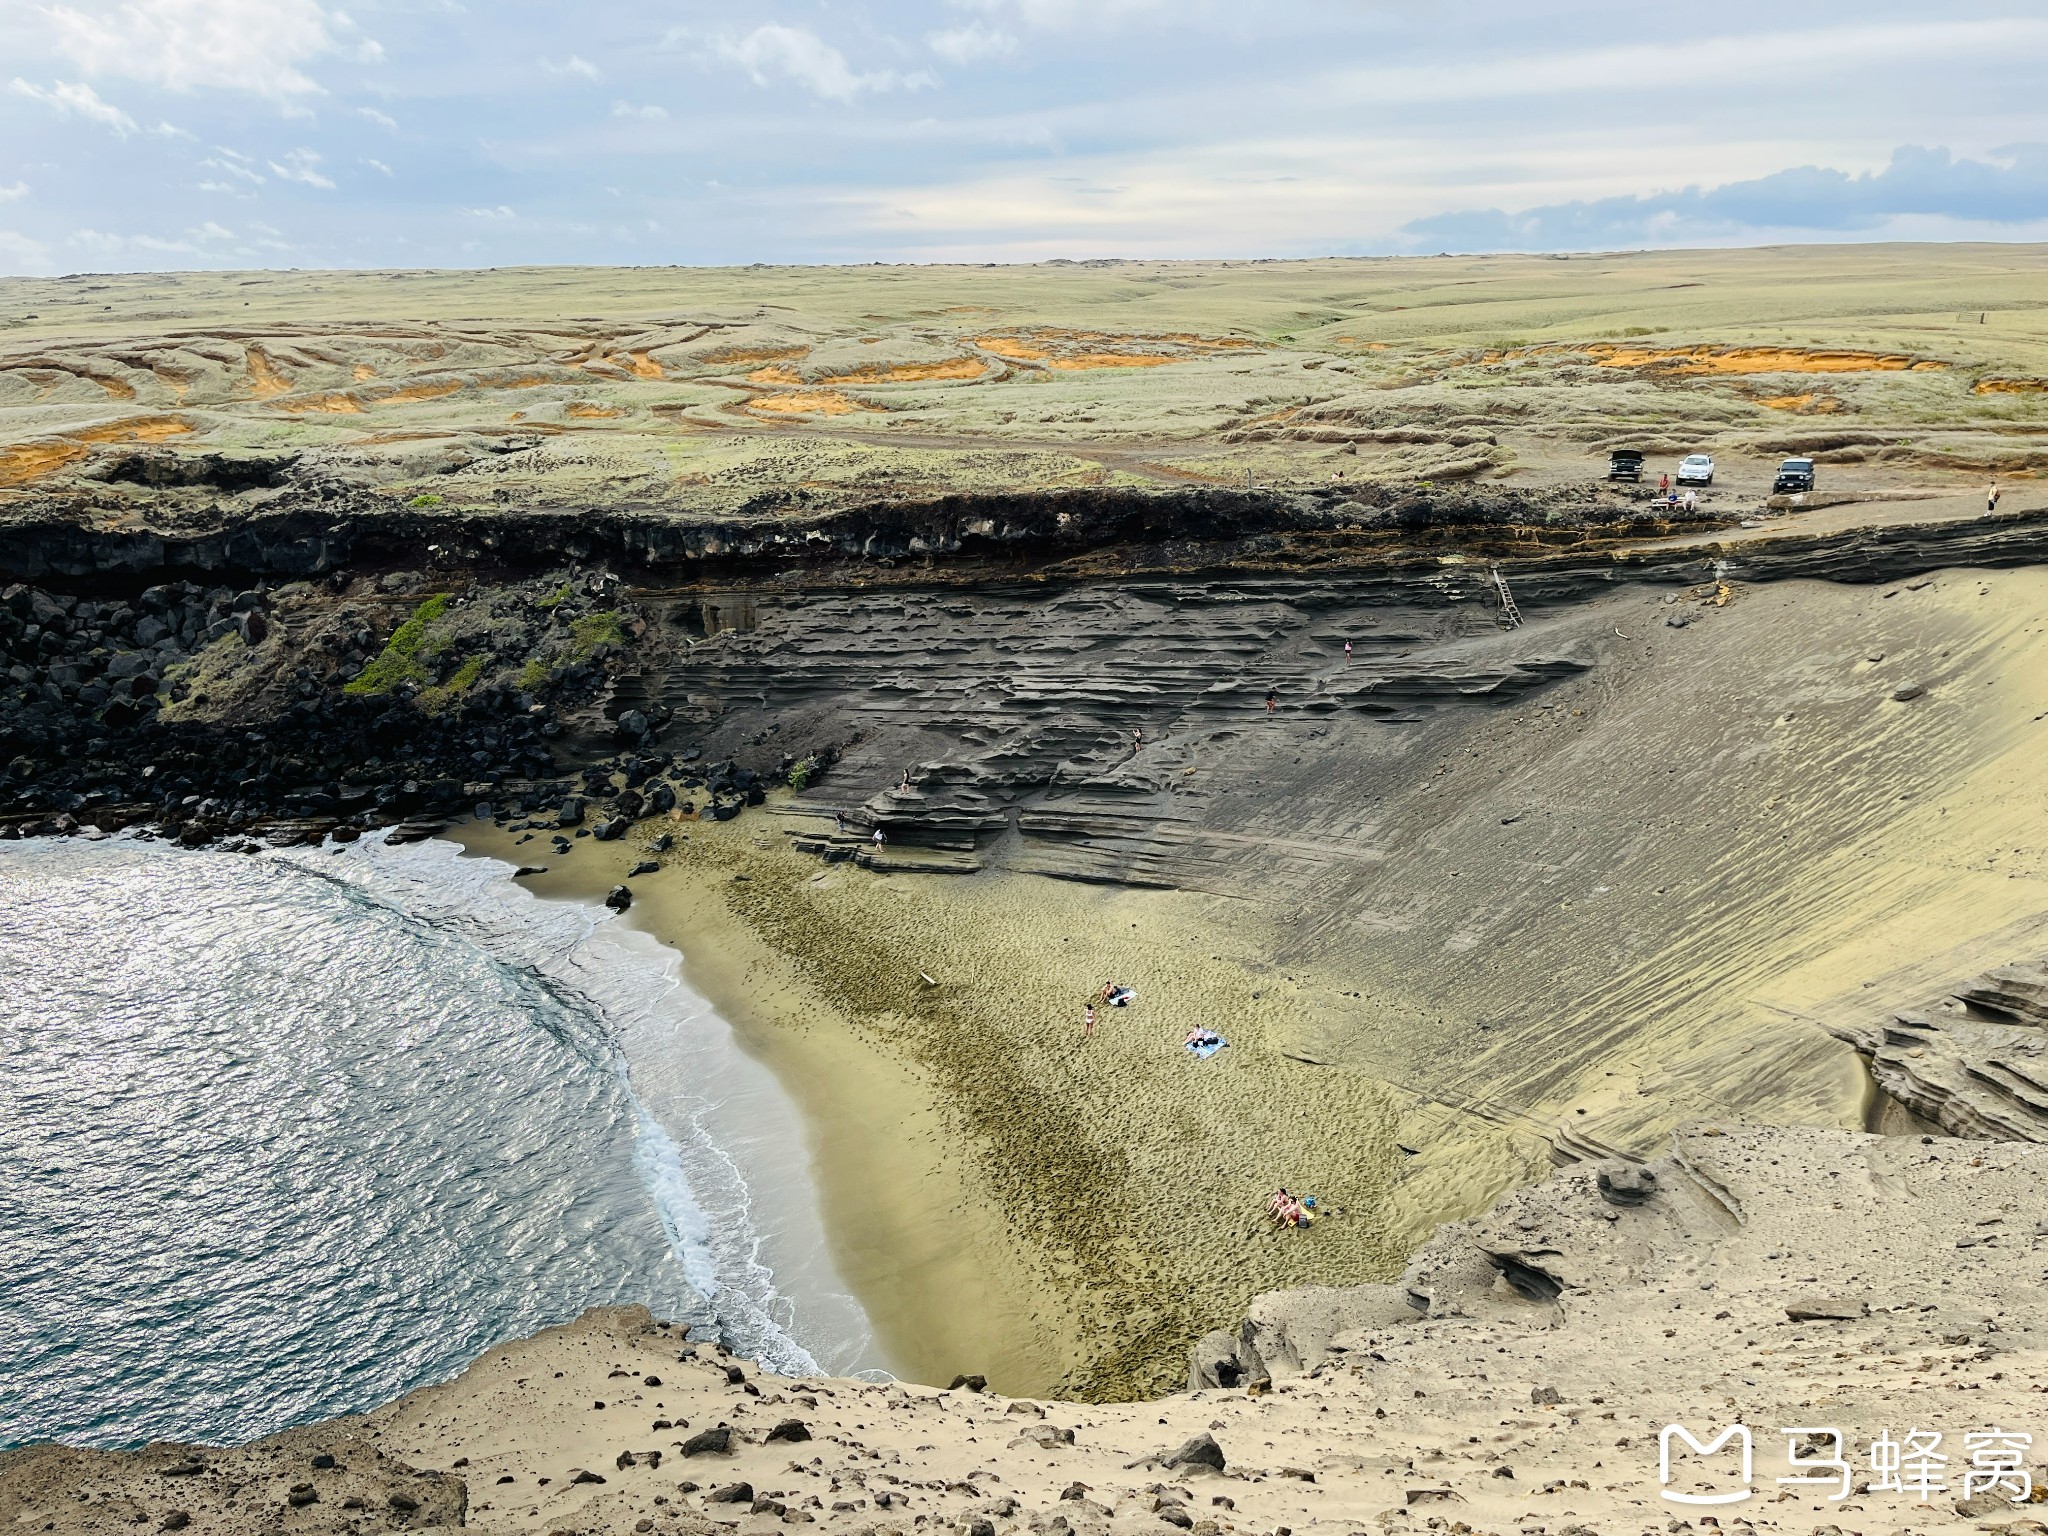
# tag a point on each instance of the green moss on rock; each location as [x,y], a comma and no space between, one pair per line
[399,661]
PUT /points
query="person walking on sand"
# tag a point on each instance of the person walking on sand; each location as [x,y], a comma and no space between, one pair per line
[1991,497]
[1088,1022]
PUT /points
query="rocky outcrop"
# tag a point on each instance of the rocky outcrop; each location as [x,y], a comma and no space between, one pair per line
[1698,1273]
[1567,545]
[330,1478]
[1975,1062]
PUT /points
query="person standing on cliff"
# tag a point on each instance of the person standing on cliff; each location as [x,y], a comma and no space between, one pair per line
[879,839]
[1347,653]
[1272,698]
[1991,497]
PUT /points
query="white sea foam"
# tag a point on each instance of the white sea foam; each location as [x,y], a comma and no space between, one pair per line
[720,1147]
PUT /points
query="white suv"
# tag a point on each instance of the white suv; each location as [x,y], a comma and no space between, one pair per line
[1697,469]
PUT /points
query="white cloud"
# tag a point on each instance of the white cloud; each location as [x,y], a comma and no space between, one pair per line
[237,45]
[172,131]
[573,65]
[1070,15]
[9,194]
[378,165]
[212,231]
[19,254]
[1805,54]
[972,43]
[301,165]
[499,212]
[774,53]
[235,164]
[381,119]
[649,113]
[79,101]
[102,243]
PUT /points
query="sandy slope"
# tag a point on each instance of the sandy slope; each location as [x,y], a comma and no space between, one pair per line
[1440,952]
[1399,1407]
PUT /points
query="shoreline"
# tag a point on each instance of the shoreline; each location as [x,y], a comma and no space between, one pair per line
[925,1264]
[743,1217]
[1082,1264]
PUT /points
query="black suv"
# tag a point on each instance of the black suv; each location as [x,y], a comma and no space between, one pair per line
[1794,476]
[1625,464]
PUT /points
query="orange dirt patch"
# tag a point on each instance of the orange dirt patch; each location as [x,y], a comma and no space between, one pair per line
[352,402]
[1008,346]
[265,377]
[584,411]
[364,373]
[411,394]
[23,462]
[1813,405]
[782,378]
[2010,387]
[754,354]
[1111,360]
[1704,359]
[336,404]
[1072,350]
[809,402]
[911,373]
[644,366]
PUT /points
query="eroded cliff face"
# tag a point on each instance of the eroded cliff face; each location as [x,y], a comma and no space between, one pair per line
[1526,890]
[1971,1061]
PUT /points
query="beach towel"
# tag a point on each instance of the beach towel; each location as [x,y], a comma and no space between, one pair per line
[1204,1049]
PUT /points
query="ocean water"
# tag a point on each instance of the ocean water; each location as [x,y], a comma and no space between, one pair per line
[286,1135]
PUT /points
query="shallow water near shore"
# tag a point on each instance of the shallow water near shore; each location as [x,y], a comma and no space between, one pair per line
[285,1136]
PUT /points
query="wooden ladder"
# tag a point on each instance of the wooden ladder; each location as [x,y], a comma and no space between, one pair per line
[1510,615]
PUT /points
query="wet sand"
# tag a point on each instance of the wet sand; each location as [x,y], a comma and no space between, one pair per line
[1005,1196]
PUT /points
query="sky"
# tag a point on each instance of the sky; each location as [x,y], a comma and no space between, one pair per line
[179,134]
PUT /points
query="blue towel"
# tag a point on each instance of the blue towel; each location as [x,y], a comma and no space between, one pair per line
[1209,1049]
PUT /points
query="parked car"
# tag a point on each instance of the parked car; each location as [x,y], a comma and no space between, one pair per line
[1624,464]
[1696,469]
[1794,476]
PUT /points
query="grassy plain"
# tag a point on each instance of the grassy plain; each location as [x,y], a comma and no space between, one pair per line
[762,389]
